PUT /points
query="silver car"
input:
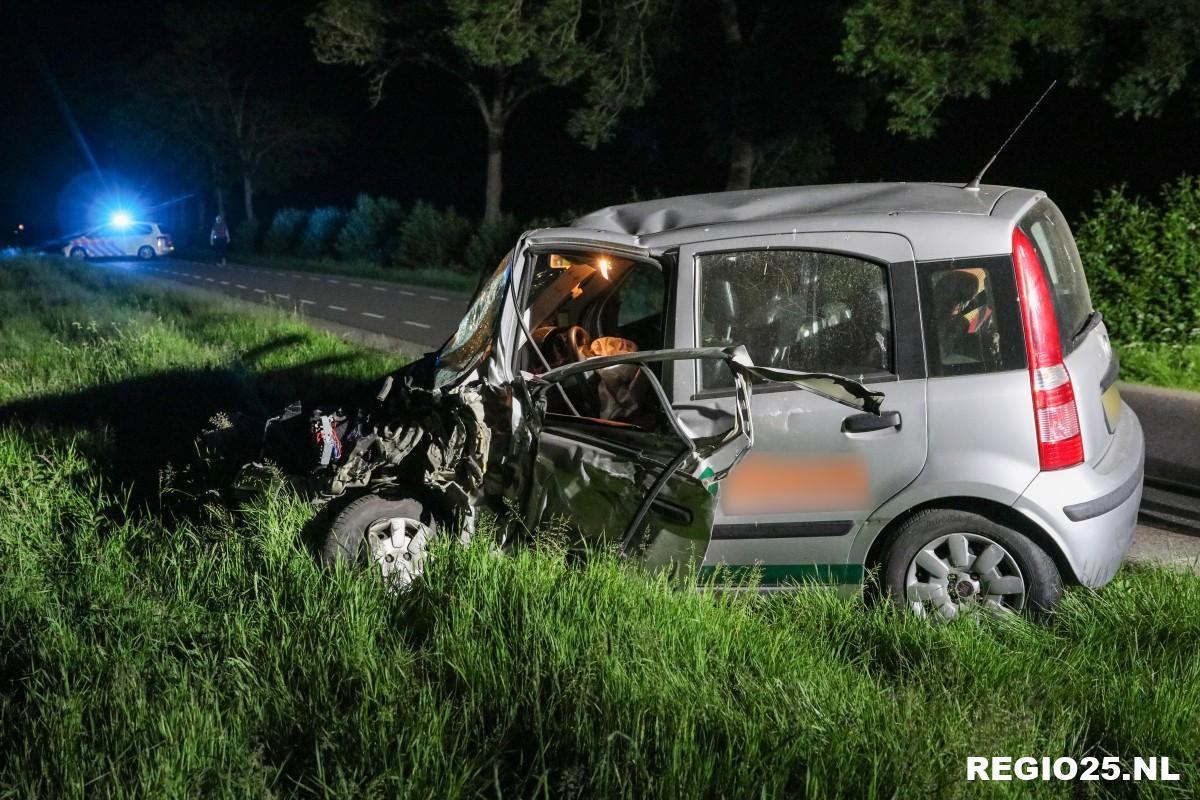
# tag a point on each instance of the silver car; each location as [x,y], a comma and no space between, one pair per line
[1004,462]
[978,454]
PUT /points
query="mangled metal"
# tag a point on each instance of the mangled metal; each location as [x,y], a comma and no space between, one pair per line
[648,494]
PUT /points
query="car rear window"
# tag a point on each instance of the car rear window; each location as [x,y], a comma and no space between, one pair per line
[971,317]
[1055,246]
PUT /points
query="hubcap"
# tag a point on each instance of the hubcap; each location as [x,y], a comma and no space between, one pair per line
[397,546]
[962,572]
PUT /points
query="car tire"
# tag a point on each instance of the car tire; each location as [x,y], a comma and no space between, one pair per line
[78,254]
[392,536]
[146,252]
[943,563]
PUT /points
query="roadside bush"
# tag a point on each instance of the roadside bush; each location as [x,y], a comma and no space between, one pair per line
[433,238]
[1143,262]
[321,232]
[284,234]
[372,229]
[490,243]
[244,238]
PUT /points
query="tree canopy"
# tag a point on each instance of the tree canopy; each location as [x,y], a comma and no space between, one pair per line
[501,52]
[926,52]
[214,91]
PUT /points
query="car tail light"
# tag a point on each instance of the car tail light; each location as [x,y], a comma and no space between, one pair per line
[1060,443]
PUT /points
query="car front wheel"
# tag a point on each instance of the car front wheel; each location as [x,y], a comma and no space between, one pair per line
[145,252]
[390,536]
[944,564]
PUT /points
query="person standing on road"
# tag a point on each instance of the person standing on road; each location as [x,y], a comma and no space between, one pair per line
[219,238]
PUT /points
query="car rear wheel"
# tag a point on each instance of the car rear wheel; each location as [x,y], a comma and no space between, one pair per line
[146,252]
[78,253]
[390,536]
[944,564]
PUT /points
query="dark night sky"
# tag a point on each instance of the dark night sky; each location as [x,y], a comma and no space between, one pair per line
[426,141]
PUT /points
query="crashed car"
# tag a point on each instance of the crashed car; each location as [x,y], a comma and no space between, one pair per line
[615,373]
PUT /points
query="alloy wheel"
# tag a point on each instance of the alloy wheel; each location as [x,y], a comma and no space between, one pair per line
[963,572]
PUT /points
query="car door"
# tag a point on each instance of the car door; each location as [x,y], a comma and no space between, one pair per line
[842,303]
[648,490]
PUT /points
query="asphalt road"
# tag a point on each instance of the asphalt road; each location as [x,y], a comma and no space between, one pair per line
[428,316]
[410,313]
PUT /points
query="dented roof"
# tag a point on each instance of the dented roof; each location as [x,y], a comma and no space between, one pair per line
[940,219]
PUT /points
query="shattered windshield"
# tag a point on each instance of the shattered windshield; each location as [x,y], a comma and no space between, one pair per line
[471,342]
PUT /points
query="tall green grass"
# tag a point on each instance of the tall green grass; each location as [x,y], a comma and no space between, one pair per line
[204,652]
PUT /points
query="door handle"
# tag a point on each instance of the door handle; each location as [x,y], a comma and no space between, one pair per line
[864,423]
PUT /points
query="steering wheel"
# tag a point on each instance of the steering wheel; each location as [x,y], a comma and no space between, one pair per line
[578,341]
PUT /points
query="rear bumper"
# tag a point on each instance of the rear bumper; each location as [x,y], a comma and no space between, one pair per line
[1091,511]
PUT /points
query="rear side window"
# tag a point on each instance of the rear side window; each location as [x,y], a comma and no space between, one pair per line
[1055,247]
[796,309]
[971,317]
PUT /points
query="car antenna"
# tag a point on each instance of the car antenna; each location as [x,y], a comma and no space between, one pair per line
[973,186]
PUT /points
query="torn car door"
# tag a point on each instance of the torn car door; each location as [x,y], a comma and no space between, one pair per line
[648,490]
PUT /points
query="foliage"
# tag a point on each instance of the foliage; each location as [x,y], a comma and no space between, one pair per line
[1143,263]
[371,228]
[215,85]
[432,237]
[927,52]
[490,242]
[176,646]
[283,236]
[245,236]
[321,232]
[503,52]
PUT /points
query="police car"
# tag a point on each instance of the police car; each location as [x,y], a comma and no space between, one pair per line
[142,239]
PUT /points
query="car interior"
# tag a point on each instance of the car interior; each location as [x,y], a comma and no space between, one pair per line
[798,310]
[583,305]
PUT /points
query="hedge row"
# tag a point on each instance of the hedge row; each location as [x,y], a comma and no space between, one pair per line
[381,230]
[1143,263]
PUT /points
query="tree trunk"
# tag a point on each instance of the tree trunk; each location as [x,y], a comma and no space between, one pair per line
[220,201]
[742,156]
[495,175]
[248,197]
[742,150]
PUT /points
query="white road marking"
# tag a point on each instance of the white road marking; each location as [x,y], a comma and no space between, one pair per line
[379,288]
[313,278]
[336,308]
[210,280]
[410,294]
[261,291]
[331,280]
[284,296]
[435,297]
[308,302]
[415,324]
[240,285]
[224,283]
[357,285]
[372,316]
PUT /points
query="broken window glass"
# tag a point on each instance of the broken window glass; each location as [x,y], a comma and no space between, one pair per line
[477,330]
[796,309]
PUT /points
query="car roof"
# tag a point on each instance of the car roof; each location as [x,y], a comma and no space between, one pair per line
[941,220]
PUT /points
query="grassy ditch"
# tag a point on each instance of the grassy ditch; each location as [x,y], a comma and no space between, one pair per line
[153,644]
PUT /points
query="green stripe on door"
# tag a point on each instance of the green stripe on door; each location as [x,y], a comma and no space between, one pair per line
[774,574]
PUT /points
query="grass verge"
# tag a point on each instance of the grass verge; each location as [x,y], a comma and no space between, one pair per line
[150,653]
[1175,366]
[431,277]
